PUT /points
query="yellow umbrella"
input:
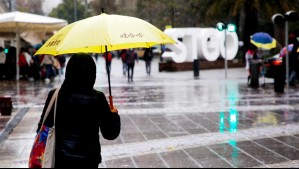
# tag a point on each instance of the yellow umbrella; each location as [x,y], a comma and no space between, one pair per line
[93,34]
[104,33]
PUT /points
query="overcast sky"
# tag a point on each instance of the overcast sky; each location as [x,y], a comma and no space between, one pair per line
[48,5]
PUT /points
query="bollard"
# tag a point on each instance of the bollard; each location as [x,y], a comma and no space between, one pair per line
[196,68]
[254,73]
[279,79]
[5,106]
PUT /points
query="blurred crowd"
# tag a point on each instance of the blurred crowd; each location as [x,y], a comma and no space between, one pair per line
[31,67]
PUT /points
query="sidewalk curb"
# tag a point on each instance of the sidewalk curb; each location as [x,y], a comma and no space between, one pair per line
[12,124]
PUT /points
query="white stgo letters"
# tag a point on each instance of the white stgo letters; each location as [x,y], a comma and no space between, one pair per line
[200,43]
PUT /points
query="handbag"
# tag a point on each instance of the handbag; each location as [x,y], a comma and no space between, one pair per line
[43,150]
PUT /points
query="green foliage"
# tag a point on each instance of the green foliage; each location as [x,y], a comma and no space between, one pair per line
[65,11]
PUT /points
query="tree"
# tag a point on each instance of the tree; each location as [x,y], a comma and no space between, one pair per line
[250,15]
[65,11]
[33,6]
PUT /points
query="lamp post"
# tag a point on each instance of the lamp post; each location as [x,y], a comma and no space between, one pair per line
[230,28]
[280,19]
[75,10]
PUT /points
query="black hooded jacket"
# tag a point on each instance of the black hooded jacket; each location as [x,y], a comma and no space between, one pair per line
[81,114]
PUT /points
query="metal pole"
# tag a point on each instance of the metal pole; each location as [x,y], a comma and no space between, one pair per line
[17,54]
[287,53]
[75,10]
[225,53]
[10,5]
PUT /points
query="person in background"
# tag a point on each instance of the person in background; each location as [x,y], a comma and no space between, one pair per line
[131,58]
[62,60]
[123,55]
[148,57]
[82,113]
[293,62]
[250,54]
[29,61]
[108,61]
[163,49]
[48,62]
[2,63]
[23,64]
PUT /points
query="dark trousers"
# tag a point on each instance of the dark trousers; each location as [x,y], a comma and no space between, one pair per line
[130,71]
[125,67]
[148,65]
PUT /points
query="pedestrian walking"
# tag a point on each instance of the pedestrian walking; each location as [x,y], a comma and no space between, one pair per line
[48,62]
[131,58]
[123,55]
[250,54]
[108,59]
[62,60]
[23,64]
[2,63]
[163,49]
[148,57]
[29,61]
[81,114]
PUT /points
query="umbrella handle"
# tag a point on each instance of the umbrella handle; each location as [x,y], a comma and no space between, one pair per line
[111,102]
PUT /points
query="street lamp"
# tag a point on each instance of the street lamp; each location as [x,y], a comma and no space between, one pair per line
[280,19]
[230,28]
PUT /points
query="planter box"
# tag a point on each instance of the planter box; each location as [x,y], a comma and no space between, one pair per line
[5,106]
[203,65]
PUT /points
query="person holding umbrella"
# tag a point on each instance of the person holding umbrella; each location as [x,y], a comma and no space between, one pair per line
[101,36]
[81,113]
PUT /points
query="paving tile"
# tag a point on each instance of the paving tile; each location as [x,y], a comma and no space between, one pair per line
[147,127]
[179,159]
[260,153]
[206,158]
[234,156]
[186,124]
[279,148]
[289,140]
[208,125]
[120,163]
[168,127]
[149,161]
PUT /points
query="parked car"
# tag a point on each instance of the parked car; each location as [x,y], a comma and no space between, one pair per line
[270,64]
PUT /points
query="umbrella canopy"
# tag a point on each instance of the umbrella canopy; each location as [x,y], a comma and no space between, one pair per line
[20,22]
[104,33]
[94,34]
[263,40]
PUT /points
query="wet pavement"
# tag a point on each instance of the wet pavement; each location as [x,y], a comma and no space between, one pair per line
[172,120]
